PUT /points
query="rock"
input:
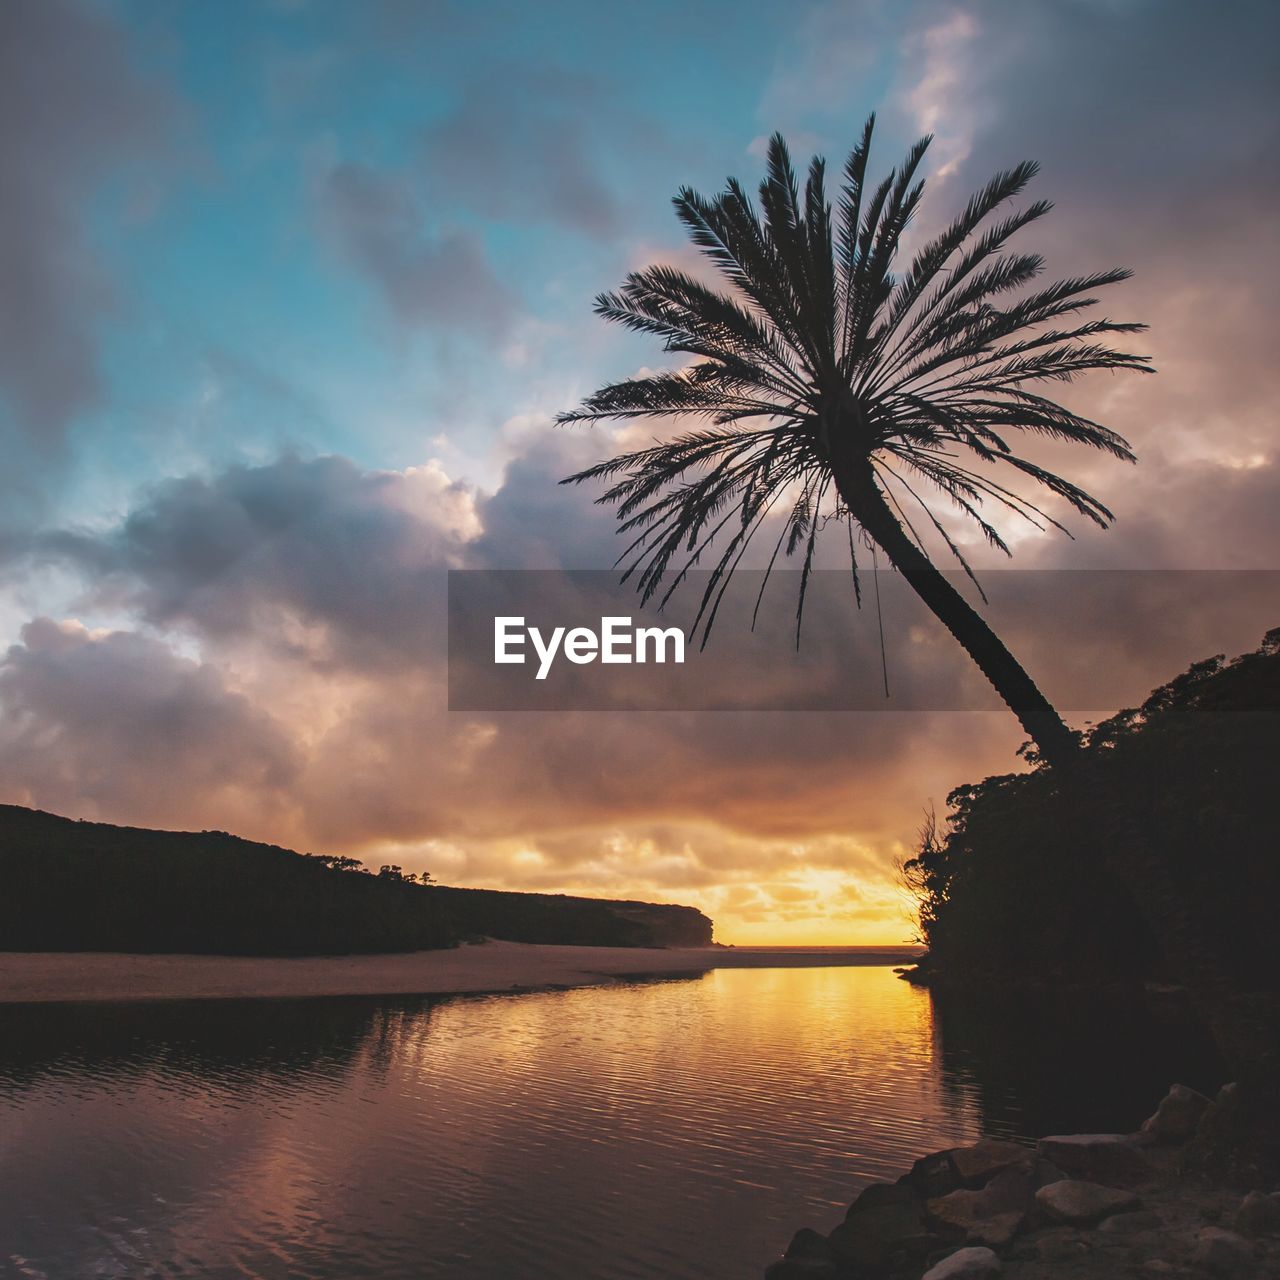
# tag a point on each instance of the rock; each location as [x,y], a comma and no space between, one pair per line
[1223,1253]
[1258,1215]
[865,1245]
[933,1176]
[882,1195]
[1084,1203]
[978,1164]
[993,1215]
[1014,1189]
[1060,1246]
[996,1231]
[808,1243]
[970,1263]
[1128,1224]
[802,1269]
[884,1228]
[996,1213]
[958,1209]
[1177,1116]
[1110,1158]
[1046,1171]
[1156,1267]
[974,1214]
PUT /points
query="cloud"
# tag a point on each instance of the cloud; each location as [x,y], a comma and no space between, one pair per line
[313,558]
[313,591]
[523,143]
[1157,133]
[531,522]
[295,608]
[114,722]
[55,148]
[942,57]
[317,586]
[428,276]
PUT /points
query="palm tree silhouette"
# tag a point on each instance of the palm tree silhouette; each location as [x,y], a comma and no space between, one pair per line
[832,385]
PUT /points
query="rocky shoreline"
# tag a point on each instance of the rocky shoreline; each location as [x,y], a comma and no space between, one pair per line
[1089,1206]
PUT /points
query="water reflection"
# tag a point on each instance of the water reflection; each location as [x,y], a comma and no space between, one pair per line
[1073,1063]
[678,1129]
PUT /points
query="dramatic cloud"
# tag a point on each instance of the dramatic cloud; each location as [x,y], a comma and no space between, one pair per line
[1178,179]
[277,551]
[72,109]
[316,591]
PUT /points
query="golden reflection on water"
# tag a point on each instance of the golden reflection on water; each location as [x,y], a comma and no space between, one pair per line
[679,1129]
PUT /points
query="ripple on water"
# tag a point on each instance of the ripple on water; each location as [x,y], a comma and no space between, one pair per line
[681,1129]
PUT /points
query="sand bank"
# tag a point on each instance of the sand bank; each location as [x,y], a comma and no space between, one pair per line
[44,976]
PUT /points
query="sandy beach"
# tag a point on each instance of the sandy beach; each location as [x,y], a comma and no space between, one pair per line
[46,976]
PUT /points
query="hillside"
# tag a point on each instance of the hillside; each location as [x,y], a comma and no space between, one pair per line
[90,886]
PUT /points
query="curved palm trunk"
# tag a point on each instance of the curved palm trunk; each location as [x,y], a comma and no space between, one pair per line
[1125,846]
[862,495]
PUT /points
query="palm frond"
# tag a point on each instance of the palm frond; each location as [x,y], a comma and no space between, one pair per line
[814,344]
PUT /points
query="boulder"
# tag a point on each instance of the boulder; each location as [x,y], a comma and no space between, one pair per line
[884,1195]
[1110,1158]
[1223,1253]
[1082,1204]
[978,1164]
[1063,1245]
[1177,1116]
[980,1219]
[1131,1224]
[997,1231]
[1046,1172]
[884,1228]
[996,1213]
[1015,1188]
[808,1243]
[1258,1215]
[972,1264]
[932,1176]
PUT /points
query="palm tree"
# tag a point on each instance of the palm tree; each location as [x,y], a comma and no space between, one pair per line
[828,383]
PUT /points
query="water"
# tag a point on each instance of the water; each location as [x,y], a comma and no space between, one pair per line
[661,1131]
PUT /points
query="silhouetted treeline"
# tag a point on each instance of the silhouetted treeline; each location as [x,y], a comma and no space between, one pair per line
[1005,893]
[87,886]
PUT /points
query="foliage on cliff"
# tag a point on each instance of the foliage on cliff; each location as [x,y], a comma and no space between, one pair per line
[1004,888]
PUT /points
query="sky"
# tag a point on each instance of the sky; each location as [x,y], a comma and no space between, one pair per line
[291,291]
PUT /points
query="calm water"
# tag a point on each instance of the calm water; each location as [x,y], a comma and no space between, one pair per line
[662,1131]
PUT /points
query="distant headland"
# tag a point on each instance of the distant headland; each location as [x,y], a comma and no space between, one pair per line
[90,886]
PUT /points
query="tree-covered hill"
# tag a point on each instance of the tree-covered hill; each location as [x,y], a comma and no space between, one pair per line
[88,886]
[1008,892]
